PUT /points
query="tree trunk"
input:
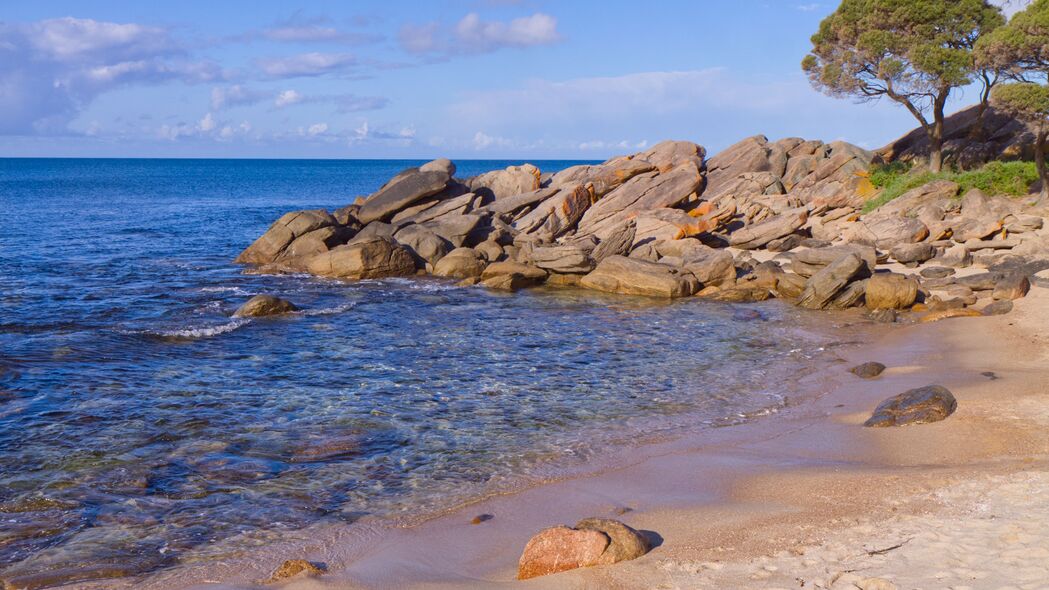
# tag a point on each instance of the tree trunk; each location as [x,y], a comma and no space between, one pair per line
[978,133]
[1039,161]
[936,133]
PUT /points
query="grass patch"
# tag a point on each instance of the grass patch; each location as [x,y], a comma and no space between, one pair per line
[993,178]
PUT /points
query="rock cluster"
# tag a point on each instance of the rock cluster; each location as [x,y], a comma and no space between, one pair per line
[761,219]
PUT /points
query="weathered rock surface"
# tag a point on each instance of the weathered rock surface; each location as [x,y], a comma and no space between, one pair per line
[264,305]
[560,549]
[499,184]
[271,245]
[758,235]
[461,263]
[890,291]
[593,541]
[371,258]
[629,276]
[931,403]
[562,259]
[405,189]
[825,285]
[427,246]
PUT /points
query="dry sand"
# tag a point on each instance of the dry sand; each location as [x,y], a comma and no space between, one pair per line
[807,499]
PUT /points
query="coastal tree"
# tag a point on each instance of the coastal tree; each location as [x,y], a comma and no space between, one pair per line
[913,52]
[1021,50]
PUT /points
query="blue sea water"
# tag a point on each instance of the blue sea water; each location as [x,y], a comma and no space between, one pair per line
[140,424]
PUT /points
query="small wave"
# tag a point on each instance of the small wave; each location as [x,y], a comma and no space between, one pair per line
[203,332]
[329,310]
[234,290]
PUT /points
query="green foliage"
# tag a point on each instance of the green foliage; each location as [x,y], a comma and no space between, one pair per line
[907,50]
[1022,46]
[993,178]
[1026,101]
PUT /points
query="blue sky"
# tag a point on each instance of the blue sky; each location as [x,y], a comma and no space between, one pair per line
[388,79]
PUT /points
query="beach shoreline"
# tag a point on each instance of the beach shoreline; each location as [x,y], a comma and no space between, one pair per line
[746,506]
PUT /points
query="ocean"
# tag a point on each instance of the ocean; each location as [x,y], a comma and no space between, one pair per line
[141,426]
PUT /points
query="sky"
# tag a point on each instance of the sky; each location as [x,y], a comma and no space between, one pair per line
[472,79]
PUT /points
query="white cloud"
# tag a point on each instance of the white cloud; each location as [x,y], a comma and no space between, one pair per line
[286,98]
[235,95]
[52,69]
[317,129]
[808,7]
[206,124]
[473,35]
[306,64]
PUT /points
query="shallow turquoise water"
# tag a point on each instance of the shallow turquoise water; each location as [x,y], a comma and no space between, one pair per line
[140,424]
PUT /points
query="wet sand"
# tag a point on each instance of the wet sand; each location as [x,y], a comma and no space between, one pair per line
[806,499]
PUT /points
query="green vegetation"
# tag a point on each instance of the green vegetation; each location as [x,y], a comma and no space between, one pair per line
[913,52]
[993,178]
[1021,49]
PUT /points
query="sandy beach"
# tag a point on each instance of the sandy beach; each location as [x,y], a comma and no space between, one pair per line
[805,499]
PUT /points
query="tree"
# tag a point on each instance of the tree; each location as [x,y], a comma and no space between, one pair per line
[1021,50]
[914,52]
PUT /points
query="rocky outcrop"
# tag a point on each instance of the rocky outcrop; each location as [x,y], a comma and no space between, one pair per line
[593,541]
[761,219]
[931,403]
[264,305]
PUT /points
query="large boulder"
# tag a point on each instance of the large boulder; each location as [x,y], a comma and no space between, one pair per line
[1011,286]
[272,244]
[454,228]
[887,231]
[656,225]
[710,266]
[511,276]
[461,263]
[593,541]
[427,246]
[405,189]
[931,403]
[562,259]
[755,236]
[500,184]
[629,276]
[825,285]
[264,305]
[559,549]
[373,257]
[891,291]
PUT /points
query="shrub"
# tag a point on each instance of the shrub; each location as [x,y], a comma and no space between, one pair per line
[993,178]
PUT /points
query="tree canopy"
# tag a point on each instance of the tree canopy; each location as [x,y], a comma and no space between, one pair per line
[1021,50]
[913,52]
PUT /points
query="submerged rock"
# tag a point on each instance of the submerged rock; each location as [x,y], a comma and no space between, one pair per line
[293,568]
[868,370]
[931,403]
[264,305]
